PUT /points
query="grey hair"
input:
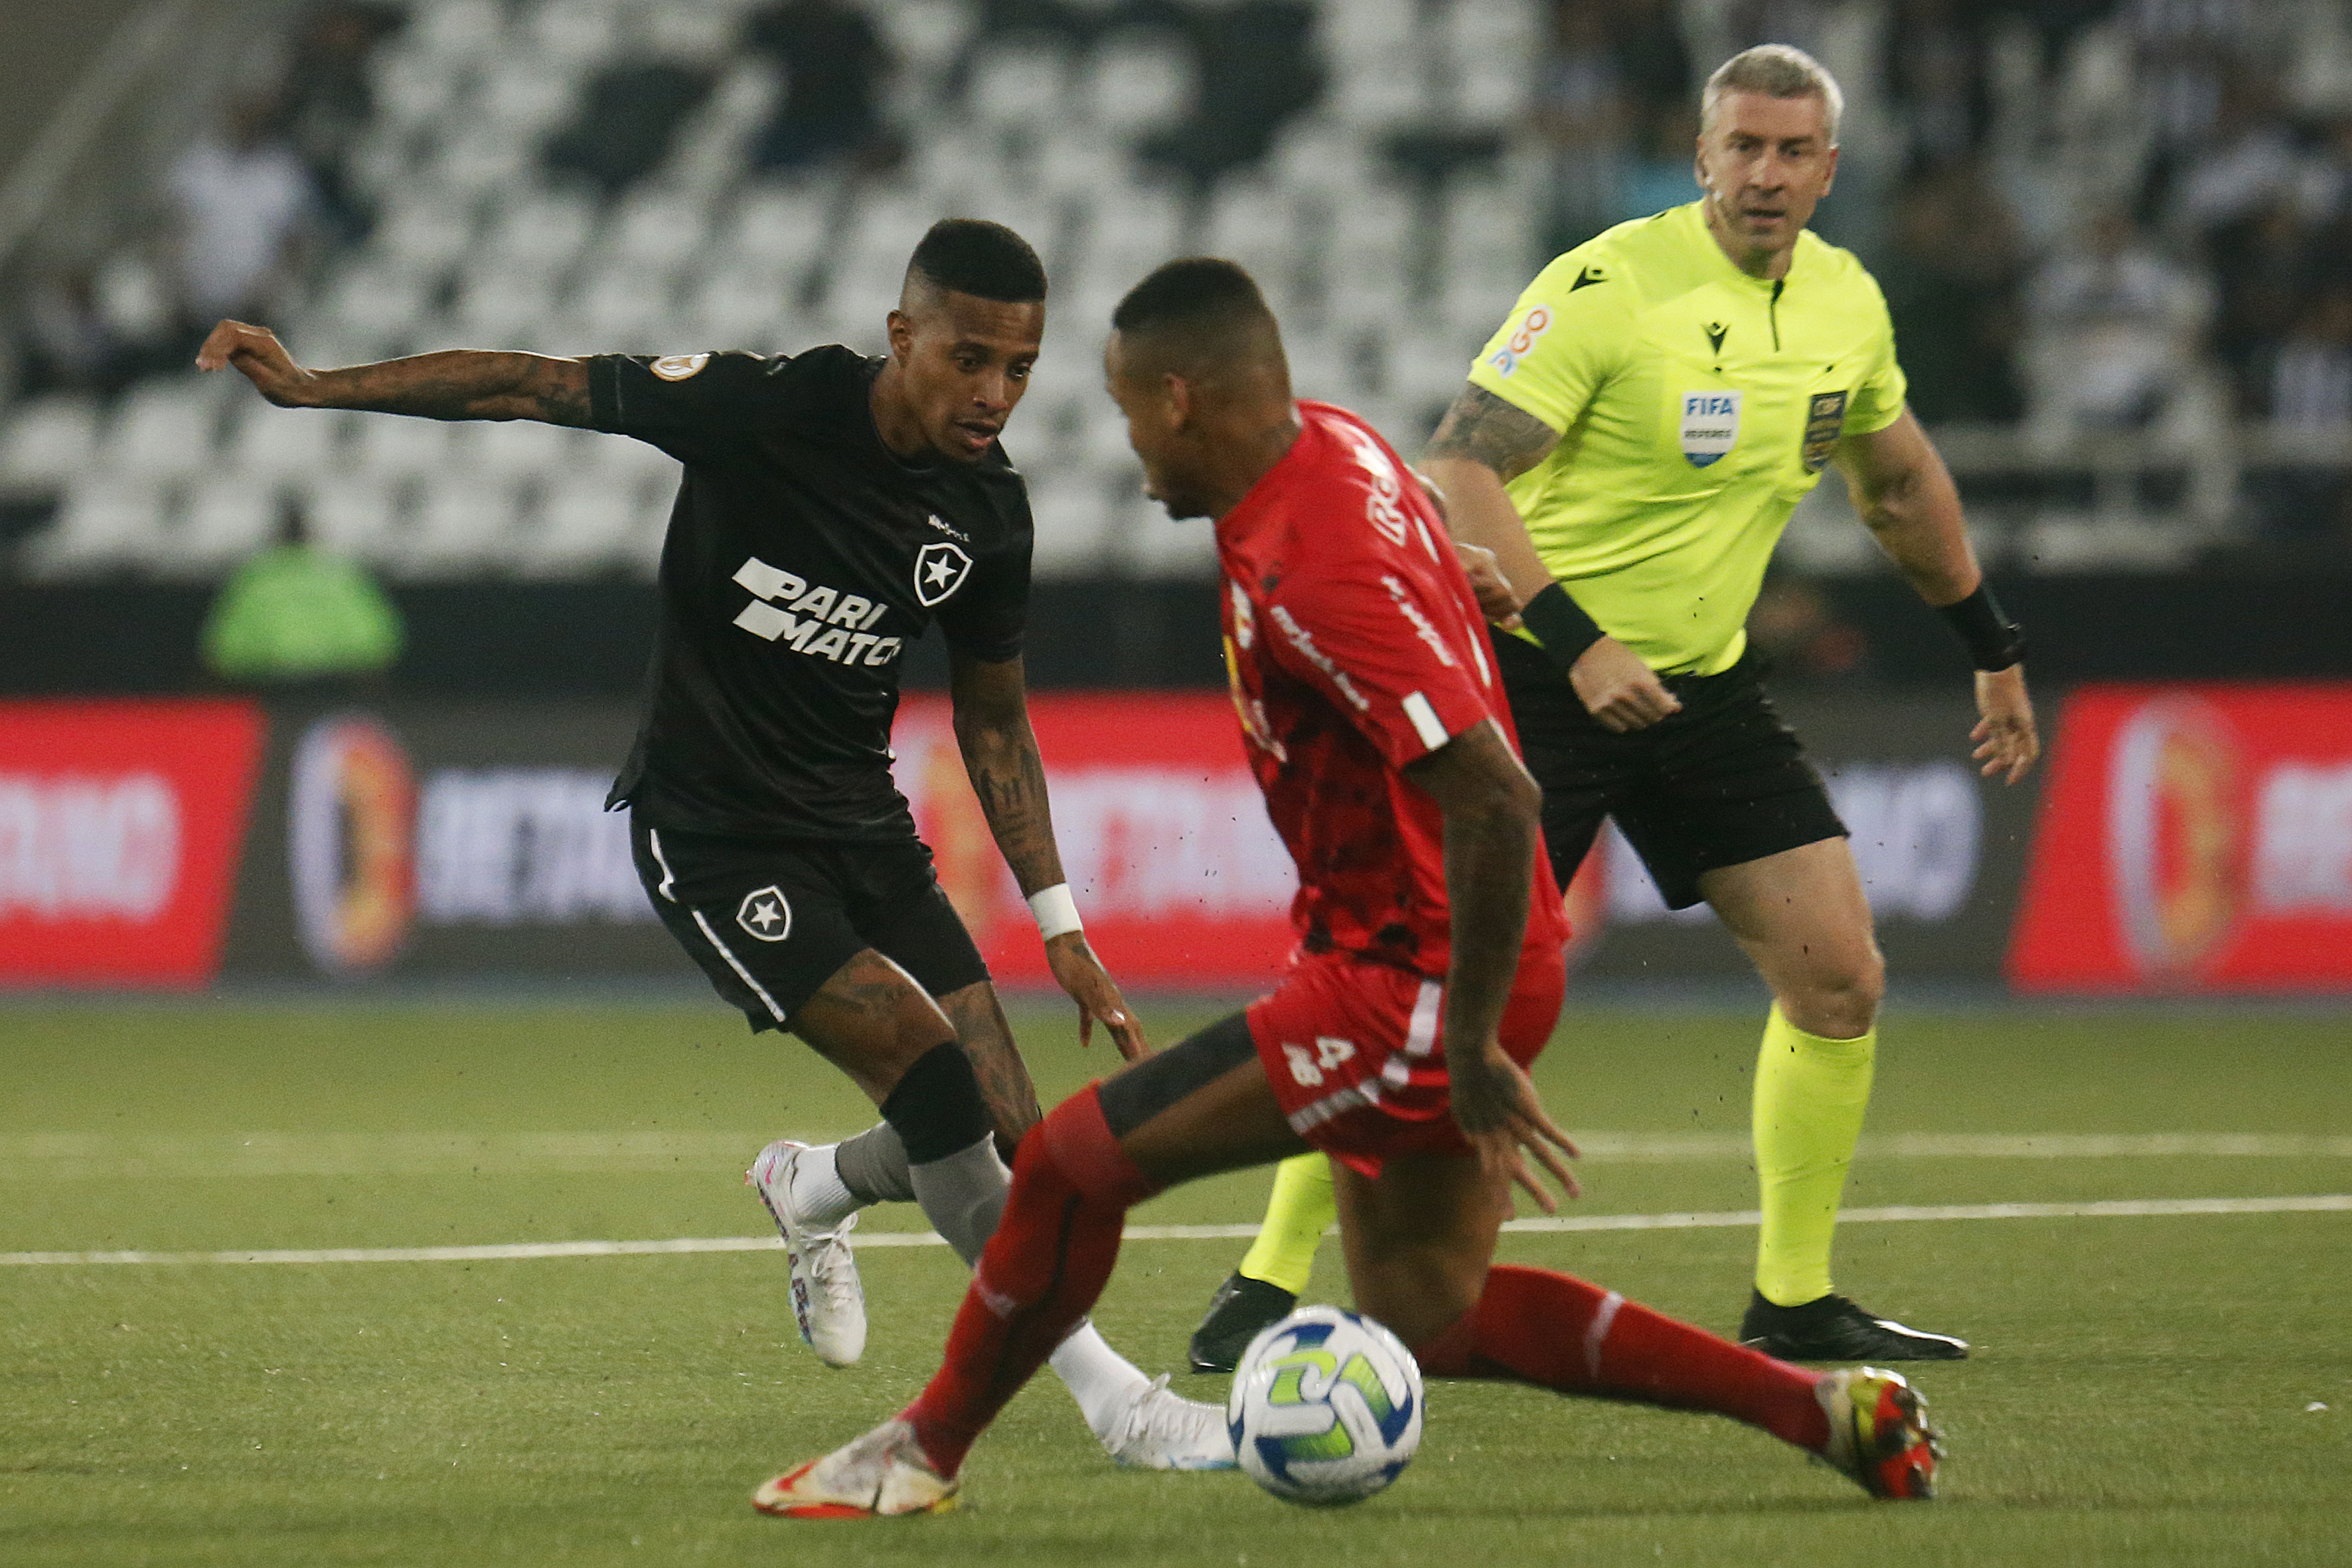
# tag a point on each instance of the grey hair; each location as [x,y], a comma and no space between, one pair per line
[1776,70]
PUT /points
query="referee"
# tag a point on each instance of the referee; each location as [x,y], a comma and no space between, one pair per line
[834,507]
[1630,445]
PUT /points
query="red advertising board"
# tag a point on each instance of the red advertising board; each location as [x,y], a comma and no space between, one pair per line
[1164,835]
[2193,838]
[119,828]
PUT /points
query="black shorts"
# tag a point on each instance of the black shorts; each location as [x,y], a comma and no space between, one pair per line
[769,922]
[1721,783]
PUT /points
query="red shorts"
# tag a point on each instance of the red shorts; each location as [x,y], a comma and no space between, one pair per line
[1352,1051]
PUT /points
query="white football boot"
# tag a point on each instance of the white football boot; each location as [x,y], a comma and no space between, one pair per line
[1162,1430]
[880,1475]
[828,1302]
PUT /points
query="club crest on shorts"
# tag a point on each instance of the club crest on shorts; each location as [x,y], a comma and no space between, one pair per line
[1710,426]
[939,570]
[1824,422]
[766,913]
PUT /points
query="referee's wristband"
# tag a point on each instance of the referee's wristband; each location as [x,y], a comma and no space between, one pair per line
[1992,639]
[1563,628]
[1056,911]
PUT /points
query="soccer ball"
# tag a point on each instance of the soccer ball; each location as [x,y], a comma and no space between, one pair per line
[1325,1407]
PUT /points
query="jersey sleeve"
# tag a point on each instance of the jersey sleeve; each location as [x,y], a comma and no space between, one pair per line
[986,618]
[1878,398]
[1568,334]
[1373,642]
[685,404]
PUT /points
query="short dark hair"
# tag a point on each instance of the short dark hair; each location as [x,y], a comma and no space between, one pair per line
[987,260]
[1197,291]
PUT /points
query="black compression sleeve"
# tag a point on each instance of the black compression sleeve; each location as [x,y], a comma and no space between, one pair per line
[1561,624]
[936,1107]
[1992,639]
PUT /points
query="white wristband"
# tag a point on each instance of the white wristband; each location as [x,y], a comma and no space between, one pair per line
[1056,911]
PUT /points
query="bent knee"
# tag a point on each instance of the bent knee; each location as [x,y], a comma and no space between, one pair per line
[1839,1000]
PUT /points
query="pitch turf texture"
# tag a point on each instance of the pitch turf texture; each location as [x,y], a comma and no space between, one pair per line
[2139,1394]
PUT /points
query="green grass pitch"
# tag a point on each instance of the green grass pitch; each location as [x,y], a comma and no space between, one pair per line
[2140,1394]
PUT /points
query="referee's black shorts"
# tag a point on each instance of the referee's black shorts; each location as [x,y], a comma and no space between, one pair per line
[1721,783]
[769,922]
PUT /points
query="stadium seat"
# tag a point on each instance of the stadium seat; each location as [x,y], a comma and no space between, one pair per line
[46,443]
[422,230]
[107,523]
[357,513]
[925,34]
[465,523]
[165,427]
[228,517]
[271,443]
[456,31]
[523,449]
[1074,517]
[1137,82]
[522,96]
[542,233]
[1018,87]
[394,448]
[656,228]
[587,525]
[571,31]
[627,309]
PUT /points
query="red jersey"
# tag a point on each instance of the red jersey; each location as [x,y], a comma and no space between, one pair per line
[1356,648]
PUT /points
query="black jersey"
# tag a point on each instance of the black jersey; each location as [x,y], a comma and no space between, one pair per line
[802,558]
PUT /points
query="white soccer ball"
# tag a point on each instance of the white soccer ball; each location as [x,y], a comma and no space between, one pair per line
[1325,1407]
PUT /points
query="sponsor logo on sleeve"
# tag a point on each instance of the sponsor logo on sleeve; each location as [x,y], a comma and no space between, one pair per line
[1522,343]
[1710,426]
[1824,422]
[679,368]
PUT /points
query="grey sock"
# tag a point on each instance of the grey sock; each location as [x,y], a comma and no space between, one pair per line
[962,1195]
[873,1166]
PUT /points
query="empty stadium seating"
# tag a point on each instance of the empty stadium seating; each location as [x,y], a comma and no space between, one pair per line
[478,246]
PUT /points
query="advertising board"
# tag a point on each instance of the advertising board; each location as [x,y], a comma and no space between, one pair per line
[448,840]
[445,839]
[2193,838]
[119,828]
[1182,882]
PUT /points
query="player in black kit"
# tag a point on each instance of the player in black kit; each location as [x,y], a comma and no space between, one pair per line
[833,507]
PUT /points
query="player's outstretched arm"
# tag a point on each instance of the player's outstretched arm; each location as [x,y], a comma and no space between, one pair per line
[1000,757]
[1492,838]
[1905,495]
[458,384]
[1482,444]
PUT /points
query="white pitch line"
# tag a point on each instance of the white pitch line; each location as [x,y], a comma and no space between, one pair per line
[81,1156]
[2123,1209]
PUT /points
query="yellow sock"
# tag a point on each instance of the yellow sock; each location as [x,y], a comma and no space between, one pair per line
[1283,1253]
[1810,1094]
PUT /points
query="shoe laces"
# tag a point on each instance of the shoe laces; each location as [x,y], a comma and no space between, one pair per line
[831,1264]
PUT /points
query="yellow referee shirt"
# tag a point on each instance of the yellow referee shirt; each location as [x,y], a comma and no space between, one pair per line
[1696,405]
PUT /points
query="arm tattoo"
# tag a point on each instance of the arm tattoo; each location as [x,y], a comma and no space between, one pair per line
[1010,780]
[466,384]
[1483,428]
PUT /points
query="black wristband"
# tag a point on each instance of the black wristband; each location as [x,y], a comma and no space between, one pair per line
[1563,628]
[1992,639]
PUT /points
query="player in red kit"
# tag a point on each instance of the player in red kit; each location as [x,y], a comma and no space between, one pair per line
[1427,974]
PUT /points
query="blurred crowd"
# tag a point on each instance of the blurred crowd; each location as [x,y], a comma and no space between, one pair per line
[2089,215]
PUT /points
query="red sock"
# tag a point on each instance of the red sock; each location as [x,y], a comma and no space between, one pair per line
[1040,1273]
[1558,1332]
